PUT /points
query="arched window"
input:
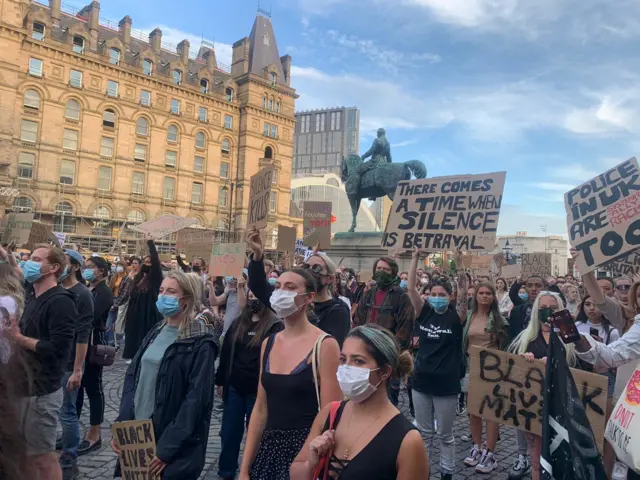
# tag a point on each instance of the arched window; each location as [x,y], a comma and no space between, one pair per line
[273,78]
[271,104]
[228,93]
[172,134]
[38,31]
[277,107]
[223,197]
[101,212]
[200,140]
[142,127]
[62,221]
[78,44]
[226,147]
[72,110]
[114,56]
[176,75]
[32,99]
[204,85]
[268,152]
[264,102]
[109,118]
[147,66]
[23,204]
[136,216]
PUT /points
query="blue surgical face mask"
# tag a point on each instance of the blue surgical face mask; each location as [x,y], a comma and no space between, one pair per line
[439,304]
[272,281]
[65,273]
[229,280]
[167,305]
[21,264]
[32,271]
[89,275]
[524,296]
[404,284]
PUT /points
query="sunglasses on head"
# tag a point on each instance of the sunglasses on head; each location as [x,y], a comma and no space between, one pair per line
[314,268]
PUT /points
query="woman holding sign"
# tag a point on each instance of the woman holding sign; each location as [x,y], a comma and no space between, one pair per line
[439,362]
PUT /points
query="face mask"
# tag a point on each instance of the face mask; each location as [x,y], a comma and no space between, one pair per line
[524,296]
[229,280]
[384,280]
[424,281]
[272,281]
[21,264]
[113,268]
[354,383]
[167,305]
[32,271]
[254,305]
[343,283]
[119,269]
[196,269]
[88,275]
[439,304]
[145,268]
[283,303]
[404,284]
[544,314]
[65,274]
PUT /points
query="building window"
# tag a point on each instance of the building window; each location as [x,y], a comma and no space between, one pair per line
[62,224]
[273,201]
[72,110]
[147,66]
[109,119]
[170,158]
[351,119]
[101,212]
[224,169]
[172,134]
[223,197]
[200,140]
[338,120]
[274,131]
[268,152]
[271,104]
[142,127]
[275,178]
[264,102]
[114,56]
[32,99]
[204,86]
[70,139]
[140,153]
[137,183]
[176,75]
[78,44]
[136,216]
[198,165]
[23,204]
[104,178]
[35,67]
[67,172]
[267,129]
[352,141]
[228,93]
[228,122]
[75,78]
[169,188]
[273,78]
[196,193]
[202,114]
[277,107]
[106,147]
[226,147]
[175,106]
[145,98]
[38,31]
[112,88]
[26,163]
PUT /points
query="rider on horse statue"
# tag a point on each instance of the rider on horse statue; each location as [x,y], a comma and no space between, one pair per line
[380,152]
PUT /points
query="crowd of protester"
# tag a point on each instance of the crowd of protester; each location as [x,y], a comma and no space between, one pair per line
[305,359]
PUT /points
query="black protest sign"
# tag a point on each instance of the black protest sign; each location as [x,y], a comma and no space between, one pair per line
[259,195]
[626,265]
[17,228]
[317,224]
[603,216]
[538,263]
[136,440]
[507,389]
[446,213]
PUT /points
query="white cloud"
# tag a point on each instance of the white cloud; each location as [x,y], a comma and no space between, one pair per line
[406,143]
[552,187]
[515,218]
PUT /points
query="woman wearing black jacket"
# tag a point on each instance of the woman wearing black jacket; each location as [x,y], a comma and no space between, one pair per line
[237,377]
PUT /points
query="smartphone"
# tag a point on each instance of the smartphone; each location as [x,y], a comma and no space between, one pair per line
[594,332]
[564,322]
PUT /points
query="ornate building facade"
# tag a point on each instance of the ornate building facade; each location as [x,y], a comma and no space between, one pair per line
[102,127]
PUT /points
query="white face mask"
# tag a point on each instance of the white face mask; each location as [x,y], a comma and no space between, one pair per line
[119,269]
[354,383]
[283,302]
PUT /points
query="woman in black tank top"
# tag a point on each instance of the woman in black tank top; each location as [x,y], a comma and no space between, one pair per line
[369,438]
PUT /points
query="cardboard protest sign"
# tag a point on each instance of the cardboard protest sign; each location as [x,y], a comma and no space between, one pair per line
[467,261]
[286,239]
[511,271]
[163,226]
[507,389]
[538,263]
[17,228]
[500,260]
[259,195]
[41,234]
[195,242]
[317,224]
[136,440]
[603,216]
[446,213]
[626,265]
[227,260]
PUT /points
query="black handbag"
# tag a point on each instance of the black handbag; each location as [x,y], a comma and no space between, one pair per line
[102,355]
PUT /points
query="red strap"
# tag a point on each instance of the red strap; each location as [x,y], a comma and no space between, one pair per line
[322,469]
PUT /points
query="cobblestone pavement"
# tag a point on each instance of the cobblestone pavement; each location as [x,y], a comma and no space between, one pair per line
[100,464]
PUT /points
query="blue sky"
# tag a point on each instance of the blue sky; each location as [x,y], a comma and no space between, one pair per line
[548,90]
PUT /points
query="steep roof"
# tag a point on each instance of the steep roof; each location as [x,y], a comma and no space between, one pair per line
[263,50]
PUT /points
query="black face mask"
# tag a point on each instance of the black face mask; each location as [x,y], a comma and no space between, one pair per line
[254,305]
[145,268]
[196,269]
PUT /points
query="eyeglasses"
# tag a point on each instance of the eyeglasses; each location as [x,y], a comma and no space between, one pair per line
[623,288]
[314,268]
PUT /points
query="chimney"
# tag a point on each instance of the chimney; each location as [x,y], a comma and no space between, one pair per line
[286,68]
[92,13]
[125,30]
[240,62]
[155,40]
[209,56]
[54,5]
[183,51]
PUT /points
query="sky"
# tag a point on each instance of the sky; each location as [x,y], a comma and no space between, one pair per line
[548,90]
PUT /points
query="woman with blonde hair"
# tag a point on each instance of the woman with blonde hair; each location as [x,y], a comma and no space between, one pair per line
[572,295]
[171,380]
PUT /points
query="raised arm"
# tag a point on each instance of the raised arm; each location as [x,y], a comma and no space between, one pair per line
[155,274]
[461,304]
[513,293]
[258,283]
[412,288]
[242,292]
[185,268]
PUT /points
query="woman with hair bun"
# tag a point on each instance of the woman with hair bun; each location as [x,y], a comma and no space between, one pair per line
[369,437]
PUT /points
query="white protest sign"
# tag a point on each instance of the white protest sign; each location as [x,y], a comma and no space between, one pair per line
[446,213]
[603,216]
[163,226]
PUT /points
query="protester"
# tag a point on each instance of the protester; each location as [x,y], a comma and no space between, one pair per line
[11,282]
[341,290]
[486,328]
[291,390]
[118,275]
[233,298]
[44,336]
[121,300]
[375,441]
[237,377]
[95,272]
[471,293]
[572,295]
[203,312]
[170,381]
[502,294]
[142,313]
[623,285]
[440,364]
[607,286]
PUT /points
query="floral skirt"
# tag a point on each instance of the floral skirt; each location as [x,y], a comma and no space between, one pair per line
[277,451]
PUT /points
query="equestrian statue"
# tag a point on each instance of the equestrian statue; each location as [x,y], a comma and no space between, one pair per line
[377,177]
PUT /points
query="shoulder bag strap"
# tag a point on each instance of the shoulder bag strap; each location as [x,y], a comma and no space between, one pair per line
[315,366]
[322,470]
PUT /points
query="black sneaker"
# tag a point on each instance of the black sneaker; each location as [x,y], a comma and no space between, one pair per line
[86,447]
[69,466]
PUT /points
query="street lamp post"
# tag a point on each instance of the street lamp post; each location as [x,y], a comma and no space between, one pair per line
[544,229]
[507,251]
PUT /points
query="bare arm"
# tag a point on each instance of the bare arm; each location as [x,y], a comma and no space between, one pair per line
[242,292]
[302,467]
[461,304]
[412,290]
[412,459]
[286,263]
[330,359]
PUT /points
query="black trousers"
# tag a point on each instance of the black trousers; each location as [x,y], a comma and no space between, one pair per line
[92,385]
